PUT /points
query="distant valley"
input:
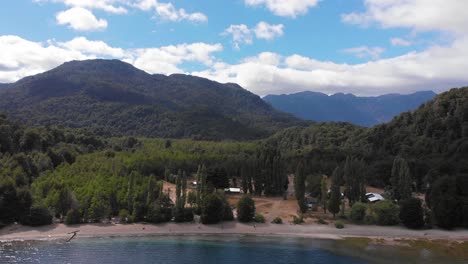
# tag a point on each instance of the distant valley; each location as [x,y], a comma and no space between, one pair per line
[364,111]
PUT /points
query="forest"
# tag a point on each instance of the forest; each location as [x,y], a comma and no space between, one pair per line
[77,175]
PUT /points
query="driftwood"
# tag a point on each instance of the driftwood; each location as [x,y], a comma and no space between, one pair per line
[74,235]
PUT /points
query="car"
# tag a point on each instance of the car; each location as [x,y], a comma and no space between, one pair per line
[374,197]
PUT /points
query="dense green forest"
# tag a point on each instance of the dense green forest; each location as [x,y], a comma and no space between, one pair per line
[113,96]
[73,173]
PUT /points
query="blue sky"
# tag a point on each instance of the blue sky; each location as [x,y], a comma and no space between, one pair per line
[365,47]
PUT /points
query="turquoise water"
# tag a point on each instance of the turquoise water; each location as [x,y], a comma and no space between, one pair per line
[173,250]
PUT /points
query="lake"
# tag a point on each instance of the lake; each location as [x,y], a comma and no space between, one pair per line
[201,249]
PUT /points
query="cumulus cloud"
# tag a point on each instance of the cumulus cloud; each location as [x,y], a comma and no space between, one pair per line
[242,34]
[20,57]
[86,46]
[400,42]
[437,68]
[112,6]
[167,11]
[421,15]
[285,8]
[366,52]
[80,19]
[266,31]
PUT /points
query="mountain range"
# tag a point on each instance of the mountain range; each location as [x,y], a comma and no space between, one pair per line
[117,98]
[364,111]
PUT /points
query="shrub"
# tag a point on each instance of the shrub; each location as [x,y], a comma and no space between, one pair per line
[387,213]
[369,219]
[297,220]
[212,209]
[321,221]
[73,217]
[259,218]
[411,213]
[123,215]
[358,212]
[37,216]
[245,209]
[183,215]
[157,214]
[339,225]
[277,220]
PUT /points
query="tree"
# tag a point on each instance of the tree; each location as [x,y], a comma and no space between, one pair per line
[387,213]
[400,179]
[218,177]
[73,217]
[191,198]
[37,216]
[335,196]
[358,212]
[299,186]
[212,209]
[245,209]
[354,174]
[444,202]
[324,193]
[411,213]
[99,208]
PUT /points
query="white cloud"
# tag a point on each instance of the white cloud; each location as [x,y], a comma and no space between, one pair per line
[264,30]
[366,52]
[112,6]
[84,45]
[421,15]
[242,34]
[80,19]
[167,11]
[437,68]
[20,58]
[400,42]
[265,58]
[285,8]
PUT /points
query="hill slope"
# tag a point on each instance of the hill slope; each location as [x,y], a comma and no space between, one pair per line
[116,97]
[364,111]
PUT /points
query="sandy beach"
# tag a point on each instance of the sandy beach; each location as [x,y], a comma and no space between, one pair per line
[60,231]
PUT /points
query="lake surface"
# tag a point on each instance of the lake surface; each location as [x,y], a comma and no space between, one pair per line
[189,249]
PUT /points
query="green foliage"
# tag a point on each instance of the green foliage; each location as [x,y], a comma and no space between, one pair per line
[401,180]
[339,225]
[335,196]
[297,220]
[246,209]
[358,212]
[37,216]
[159,214]
[354,175]
[277,221]
[259,218]
[411,213]
[212,209]
[299,186]
[386,212]
[445,203]
[73,217]
[324,193]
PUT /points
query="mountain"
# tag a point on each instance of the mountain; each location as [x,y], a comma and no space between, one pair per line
[364,111]
[3,85]
[113,96]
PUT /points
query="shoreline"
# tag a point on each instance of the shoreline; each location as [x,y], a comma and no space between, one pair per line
[312,231]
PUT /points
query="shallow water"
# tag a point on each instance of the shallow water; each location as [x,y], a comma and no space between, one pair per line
[189,249]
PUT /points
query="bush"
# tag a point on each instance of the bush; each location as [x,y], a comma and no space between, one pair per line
[358,212]
[212,209]
[73,217]
[37,216]
[339,225]
[321,221]
[157,214]
[297,220]
[245,209]
[259,218]
[387,213]
[369,219]
[123,215]
[411,213]
[277,220]
[184,215]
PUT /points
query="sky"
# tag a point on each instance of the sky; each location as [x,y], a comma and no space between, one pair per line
[364,47]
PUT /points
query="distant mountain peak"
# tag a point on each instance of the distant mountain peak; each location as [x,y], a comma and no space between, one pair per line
[341,107]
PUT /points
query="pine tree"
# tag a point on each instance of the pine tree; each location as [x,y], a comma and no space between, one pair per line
[400,179]
[335,197]
[299,186]
[324,193]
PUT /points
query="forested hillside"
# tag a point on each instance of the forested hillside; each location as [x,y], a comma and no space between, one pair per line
[115,97]
[364,111]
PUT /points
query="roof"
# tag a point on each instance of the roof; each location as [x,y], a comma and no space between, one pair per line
[233,190]
[374,197]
